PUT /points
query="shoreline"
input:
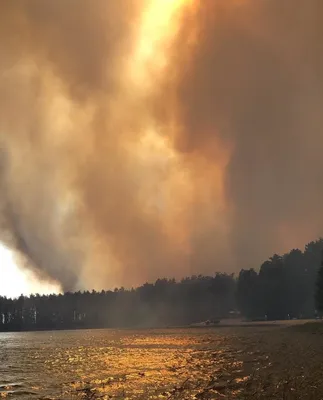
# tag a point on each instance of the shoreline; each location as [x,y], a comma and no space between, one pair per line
[305,325]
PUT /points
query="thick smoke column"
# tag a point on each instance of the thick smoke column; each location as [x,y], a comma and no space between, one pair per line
[58,61]
[87,170]
[128,155]
[255,84]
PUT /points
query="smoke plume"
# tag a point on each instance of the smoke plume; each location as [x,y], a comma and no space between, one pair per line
[255,84]
[154,138]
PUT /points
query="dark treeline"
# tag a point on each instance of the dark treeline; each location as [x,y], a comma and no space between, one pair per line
[283,288]
[166,302]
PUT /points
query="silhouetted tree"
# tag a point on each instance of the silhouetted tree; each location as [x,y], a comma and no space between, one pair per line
[319,287]
[284,287]
[166,302]
[248,294]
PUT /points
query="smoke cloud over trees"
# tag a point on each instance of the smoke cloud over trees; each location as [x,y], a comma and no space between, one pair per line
[284,288]
[121,165]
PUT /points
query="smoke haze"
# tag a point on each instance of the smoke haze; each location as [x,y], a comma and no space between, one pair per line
[256,83]
[125,159]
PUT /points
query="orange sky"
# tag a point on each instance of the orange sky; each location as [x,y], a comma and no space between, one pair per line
[156,138]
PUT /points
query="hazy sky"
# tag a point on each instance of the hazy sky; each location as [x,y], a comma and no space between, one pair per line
[151,138]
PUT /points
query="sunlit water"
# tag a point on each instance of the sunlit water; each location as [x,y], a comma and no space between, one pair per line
[109,364]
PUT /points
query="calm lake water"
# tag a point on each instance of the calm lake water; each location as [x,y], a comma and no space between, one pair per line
[110,364]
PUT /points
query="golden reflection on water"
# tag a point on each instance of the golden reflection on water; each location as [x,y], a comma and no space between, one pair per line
[175,364]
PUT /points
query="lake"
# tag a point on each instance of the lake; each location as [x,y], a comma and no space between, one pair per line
[119,364]
[242,363]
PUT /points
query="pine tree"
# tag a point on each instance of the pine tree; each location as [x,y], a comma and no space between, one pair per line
[319,288]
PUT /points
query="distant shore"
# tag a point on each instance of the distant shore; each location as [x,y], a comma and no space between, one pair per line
[231,323]
[305,325]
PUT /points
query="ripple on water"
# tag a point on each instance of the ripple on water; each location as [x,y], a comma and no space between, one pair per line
[119,364]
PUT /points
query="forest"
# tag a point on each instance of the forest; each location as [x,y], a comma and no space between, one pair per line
[285,287]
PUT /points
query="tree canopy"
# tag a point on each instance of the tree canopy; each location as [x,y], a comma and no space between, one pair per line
[286,286]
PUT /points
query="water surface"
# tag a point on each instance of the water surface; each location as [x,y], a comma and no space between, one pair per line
[110,364]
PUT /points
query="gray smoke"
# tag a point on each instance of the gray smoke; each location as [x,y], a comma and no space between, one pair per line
[79,207]
[256,83]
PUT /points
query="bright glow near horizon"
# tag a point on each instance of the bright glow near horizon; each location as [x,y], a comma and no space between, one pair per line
[159,25]
[14,281]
